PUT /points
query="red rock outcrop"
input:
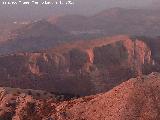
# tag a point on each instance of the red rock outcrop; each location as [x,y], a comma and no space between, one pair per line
[97,65]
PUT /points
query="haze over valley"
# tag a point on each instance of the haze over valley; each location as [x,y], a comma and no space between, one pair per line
[95,60]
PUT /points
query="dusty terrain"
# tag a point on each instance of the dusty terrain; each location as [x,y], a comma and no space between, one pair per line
[138,98]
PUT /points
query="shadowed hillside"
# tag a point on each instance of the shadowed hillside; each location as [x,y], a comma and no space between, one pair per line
[97,65]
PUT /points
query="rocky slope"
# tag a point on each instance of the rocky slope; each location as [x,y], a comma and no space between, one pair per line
[15,102]
[135,99]
[97,65]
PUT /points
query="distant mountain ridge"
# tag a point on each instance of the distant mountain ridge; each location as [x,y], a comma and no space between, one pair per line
[115,21]
[46,33]
[35,36]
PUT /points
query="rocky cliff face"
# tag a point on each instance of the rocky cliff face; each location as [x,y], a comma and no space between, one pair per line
[80,67]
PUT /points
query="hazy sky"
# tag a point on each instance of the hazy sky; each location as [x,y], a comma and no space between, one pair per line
[80,7]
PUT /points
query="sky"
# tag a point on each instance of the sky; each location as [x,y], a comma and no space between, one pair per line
[85,7]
